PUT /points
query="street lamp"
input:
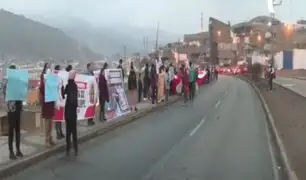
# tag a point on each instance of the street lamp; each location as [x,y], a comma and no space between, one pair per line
[269,35]
[219,33]
[259,38]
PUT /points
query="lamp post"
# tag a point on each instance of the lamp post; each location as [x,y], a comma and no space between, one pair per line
[269,35]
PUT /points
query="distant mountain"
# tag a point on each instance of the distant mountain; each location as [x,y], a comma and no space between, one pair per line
[109,39]
[24,39]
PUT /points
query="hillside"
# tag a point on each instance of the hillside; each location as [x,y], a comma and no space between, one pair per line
[25,39]
[108,39]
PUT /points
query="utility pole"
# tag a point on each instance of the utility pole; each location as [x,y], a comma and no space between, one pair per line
[124,52]
[144,42]
[202,25]
[147,43]
[157,36]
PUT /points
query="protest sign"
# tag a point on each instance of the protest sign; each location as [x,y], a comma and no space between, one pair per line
[87,96]
[51,87]
[118,104]
[17,85]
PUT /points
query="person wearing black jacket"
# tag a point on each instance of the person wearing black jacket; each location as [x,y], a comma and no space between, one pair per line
[103,92]
[132,87]
[14,109]
[121,67]
[71,92]
[146,81]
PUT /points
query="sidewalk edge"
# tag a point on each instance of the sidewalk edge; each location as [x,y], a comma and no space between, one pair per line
[26,162]
[283,153]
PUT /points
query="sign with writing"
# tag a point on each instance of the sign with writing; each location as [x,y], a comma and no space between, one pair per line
[118,104]
[87,96]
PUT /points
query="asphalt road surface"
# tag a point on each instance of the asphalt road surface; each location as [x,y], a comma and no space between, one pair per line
[221,135]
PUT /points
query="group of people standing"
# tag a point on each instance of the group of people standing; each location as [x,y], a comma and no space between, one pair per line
[145,85]
[14,109]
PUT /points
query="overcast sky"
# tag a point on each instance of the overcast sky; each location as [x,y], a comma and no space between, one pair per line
[179,16]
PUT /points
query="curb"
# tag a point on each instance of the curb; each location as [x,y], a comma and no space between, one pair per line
[291,175]
[26,162]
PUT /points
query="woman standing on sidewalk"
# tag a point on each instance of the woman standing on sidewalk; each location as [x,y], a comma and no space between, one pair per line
[153,77]
[132,87]
[103,92]
[71,92]
[58,125]
[14,109]
[47,108]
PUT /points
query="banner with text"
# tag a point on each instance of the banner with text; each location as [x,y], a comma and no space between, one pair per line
[87,96]
[118,104]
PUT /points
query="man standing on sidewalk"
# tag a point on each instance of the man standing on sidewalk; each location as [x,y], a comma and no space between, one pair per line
[271,75]
[120,66]
[90,72]
[191,74]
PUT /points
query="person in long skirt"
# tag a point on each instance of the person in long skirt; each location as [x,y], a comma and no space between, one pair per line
[132,88]
[47,108]
[71,93]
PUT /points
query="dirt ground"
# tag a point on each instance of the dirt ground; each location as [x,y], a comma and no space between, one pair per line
[289,112]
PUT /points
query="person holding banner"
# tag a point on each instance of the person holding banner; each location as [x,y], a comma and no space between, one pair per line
[103,92]
[47,108]
[14,109]
[71,93]
[58,125]
[90,72]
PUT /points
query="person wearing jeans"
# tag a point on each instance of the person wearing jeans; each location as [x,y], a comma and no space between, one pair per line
[14,109]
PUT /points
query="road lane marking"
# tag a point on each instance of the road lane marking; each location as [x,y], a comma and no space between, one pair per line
[217,104]
[225,92]
[197,127]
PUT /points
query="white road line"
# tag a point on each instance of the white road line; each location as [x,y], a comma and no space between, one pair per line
[217,104]
[197,127]
[225,92]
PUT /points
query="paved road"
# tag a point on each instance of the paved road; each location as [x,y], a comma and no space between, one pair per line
[296,85]
[219,136]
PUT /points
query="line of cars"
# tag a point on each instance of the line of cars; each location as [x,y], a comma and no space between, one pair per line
[232,70]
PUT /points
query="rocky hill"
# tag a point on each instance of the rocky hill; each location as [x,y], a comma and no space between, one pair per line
[24,39]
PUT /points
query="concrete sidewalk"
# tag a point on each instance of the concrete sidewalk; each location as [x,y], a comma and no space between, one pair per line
[33,144]
[296,85]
